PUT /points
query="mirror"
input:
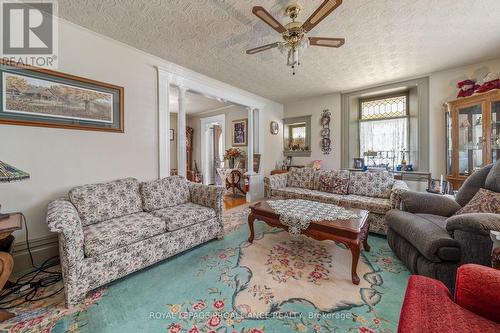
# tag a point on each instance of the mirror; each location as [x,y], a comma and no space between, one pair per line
[297,136]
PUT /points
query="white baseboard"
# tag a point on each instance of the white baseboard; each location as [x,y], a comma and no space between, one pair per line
[42,249]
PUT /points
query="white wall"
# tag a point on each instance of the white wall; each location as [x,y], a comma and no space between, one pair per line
[442,89]
[59,159]
[315,106]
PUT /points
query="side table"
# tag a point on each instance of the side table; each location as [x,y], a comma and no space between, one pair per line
[7,226]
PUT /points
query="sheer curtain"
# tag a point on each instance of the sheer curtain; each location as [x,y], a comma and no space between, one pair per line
[384,135]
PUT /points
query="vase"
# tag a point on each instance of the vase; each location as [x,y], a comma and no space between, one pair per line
[231,163]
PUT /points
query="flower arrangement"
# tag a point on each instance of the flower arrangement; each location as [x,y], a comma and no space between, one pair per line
[233,153]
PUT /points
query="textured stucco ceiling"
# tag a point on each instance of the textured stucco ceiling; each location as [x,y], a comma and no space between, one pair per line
[385,39]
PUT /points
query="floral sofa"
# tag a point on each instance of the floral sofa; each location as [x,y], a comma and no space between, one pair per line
[376,192]
[109,230]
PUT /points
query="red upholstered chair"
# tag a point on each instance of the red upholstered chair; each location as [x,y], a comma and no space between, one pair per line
[429,307]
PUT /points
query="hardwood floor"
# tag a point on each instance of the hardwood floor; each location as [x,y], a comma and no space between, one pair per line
[231,202]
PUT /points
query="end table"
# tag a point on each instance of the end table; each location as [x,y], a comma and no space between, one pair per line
[7,226]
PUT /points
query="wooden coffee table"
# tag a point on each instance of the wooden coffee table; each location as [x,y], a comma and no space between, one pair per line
[352,233]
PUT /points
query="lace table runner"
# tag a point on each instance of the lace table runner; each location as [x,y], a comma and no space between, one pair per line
[297,214]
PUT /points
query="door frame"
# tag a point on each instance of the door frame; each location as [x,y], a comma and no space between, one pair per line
[204,126]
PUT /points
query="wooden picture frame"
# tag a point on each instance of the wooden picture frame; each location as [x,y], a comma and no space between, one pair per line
[31,96]
[239,132]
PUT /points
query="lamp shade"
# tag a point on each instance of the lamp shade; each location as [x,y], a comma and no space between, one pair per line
[8,173]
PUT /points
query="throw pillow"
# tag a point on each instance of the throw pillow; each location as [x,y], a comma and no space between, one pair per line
[334,181]
[301,177]
[484,201]
[371,184]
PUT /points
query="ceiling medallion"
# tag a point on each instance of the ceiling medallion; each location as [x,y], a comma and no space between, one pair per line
[294,33]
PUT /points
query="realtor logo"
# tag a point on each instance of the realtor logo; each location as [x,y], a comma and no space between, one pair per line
[29,32]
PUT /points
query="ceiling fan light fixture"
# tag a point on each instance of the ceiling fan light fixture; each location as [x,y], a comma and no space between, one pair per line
[294,33]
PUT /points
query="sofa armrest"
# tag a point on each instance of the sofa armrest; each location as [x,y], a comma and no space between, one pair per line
[62,217]
[274,182]
[476,223]
[477,289]
[207,195]
[428,203]
[423,295]
[398,188]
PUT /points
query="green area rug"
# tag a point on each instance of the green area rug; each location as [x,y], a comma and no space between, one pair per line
[276,284]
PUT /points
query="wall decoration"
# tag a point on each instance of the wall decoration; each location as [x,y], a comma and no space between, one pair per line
[33,96]
[359,163]
[172,134]
[325,132]
[275,127]
[239,132]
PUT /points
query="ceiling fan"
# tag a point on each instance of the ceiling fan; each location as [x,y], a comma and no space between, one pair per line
[294,33]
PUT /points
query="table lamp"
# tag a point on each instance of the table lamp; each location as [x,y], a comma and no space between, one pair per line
[9,174]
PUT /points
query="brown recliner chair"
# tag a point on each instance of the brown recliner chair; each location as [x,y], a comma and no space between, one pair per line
[432,241]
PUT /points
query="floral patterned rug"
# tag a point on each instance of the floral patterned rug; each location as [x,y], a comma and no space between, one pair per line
[276,284]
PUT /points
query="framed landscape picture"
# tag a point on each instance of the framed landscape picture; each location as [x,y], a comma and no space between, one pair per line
[239,132]
[39,97]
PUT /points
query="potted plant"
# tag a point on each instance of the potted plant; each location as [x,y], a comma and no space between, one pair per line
[231,154]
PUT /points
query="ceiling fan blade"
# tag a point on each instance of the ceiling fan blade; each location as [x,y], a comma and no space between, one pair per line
[323,11]
[328,42]
[263,48]
[264,15]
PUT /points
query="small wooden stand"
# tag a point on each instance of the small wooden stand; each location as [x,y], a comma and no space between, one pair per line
[7,226]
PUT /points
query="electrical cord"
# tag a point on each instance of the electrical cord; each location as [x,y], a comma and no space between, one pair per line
[27,286]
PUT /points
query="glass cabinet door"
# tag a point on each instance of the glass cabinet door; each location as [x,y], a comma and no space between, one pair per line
[495,131]
[470,139]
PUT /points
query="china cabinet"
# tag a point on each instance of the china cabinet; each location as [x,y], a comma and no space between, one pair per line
[472,140]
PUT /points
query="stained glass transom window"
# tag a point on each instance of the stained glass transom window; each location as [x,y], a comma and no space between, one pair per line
[390,107]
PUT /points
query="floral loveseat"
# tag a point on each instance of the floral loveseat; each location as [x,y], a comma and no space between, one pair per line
[376,192]
[109,230]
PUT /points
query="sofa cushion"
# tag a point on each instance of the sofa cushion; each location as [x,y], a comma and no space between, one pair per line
[483,202]
[110,235]
[374,205]
[301,177]
[332,181]
[371,184]
[184,215]
[166,192]
[425,232]
[104,201]
[306,194]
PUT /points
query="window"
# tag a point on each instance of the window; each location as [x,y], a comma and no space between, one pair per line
[297,136]
[383,130]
